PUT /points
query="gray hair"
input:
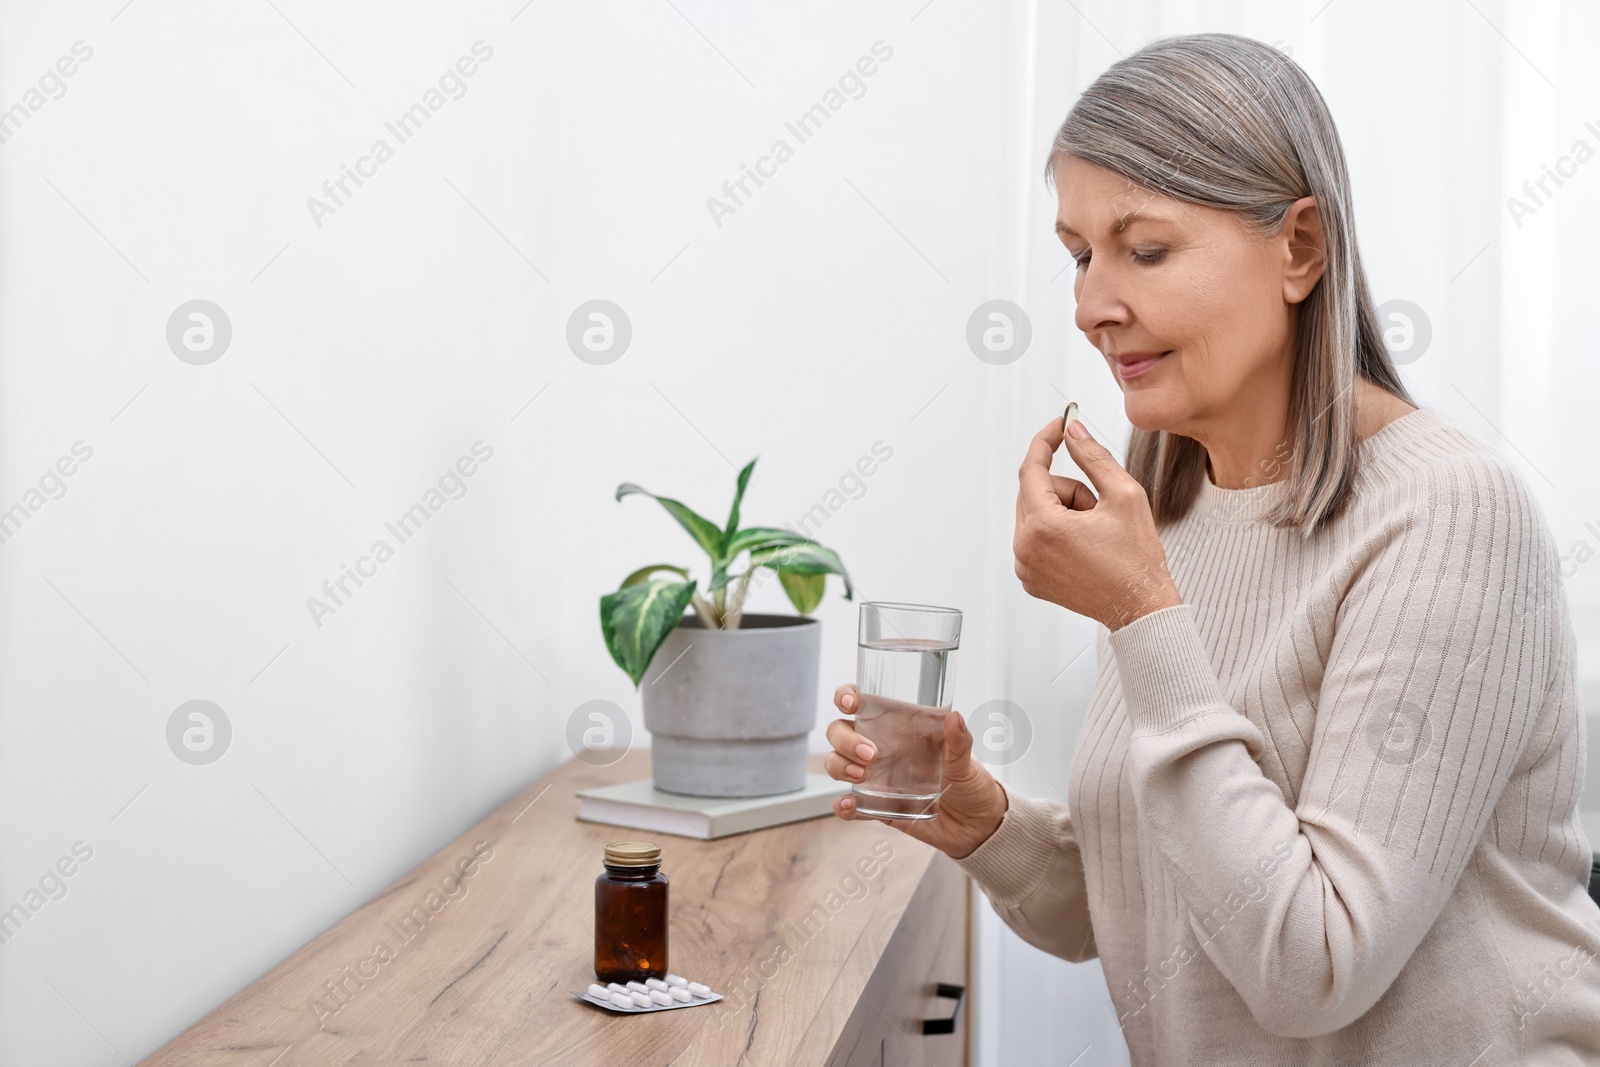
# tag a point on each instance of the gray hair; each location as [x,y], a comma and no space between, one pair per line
[1229,122]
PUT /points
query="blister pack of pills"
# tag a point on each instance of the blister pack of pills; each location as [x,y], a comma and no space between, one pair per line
[652,994]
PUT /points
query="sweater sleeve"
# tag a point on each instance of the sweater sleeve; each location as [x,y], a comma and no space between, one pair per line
[1031,869]
[1444,648]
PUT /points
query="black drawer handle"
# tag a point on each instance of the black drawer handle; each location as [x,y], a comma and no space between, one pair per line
[956,993]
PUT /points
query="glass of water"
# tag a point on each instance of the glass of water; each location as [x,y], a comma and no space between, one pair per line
[903,679]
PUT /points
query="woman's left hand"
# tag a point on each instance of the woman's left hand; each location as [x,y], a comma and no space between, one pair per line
[1098,557]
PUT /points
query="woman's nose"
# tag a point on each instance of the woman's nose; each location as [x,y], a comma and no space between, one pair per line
[1100,305]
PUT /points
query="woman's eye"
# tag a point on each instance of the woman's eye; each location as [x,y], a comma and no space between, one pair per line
[1146,258]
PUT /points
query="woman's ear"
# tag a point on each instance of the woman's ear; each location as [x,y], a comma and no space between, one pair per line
[1304,258]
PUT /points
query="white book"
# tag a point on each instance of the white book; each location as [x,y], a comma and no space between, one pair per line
[641,806]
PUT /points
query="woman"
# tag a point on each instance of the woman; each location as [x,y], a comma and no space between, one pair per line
[1323,808]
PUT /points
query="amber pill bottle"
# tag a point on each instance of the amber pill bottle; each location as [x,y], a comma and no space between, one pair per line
[630,914]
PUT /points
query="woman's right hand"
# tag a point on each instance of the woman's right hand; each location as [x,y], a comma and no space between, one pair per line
[971,804]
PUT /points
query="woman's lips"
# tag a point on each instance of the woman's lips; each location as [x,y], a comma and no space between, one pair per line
[1135,368]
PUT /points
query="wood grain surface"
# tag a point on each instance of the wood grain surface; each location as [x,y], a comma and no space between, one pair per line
[469,958]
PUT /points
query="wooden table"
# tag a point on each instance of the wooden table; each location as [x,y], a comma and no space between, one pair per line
[831,940]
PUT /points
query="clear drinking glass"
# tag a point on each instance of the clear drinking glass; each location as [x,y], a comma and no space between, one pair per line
[903,655]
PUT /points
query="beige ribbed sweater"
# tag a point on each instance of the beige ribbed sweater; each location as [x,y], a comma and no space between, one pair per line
[1324,813]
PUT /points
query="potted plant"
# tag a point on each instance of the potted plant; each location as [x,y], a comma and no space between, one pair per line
[728,697]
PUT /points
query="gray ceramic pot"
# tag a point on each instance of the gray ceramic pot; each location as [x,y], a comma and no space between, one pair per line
[729,710]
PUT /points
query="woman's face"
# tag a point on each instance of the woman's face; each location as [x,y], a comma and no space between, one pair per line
[1216,305]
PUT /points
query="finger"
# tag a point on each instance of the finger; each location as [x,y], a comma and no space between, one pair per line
[846,699]
[958,745]
[957,740]
[1094,459]
[1073,493]
[1034,490]
[845,808]
[849,744]
[841,769]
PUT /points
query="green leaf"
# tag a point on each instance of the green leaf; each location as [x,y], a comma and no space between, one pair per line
[805,557]
[638,617]
[754,537]
[738,495]
[644,572]
[704,532]
[805,590]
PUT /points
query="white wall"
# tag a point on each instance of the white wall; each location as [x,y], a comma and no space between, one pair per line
[429,312]
[368,354]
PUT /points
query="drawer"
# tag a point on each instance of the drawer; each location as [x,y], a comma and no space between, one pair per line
[930,948]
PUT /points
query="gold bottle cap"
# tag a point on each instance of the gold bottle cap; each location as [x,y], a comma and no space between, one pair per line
[632,854]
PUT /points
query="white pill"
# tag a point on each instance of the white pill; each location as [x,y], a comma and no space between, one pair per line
[622,1000]
[700,989]
[640,1000]
[677,980]
[598,990]
[638,987]
[656,983]
[660,997]
[680,994]
[616,987]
